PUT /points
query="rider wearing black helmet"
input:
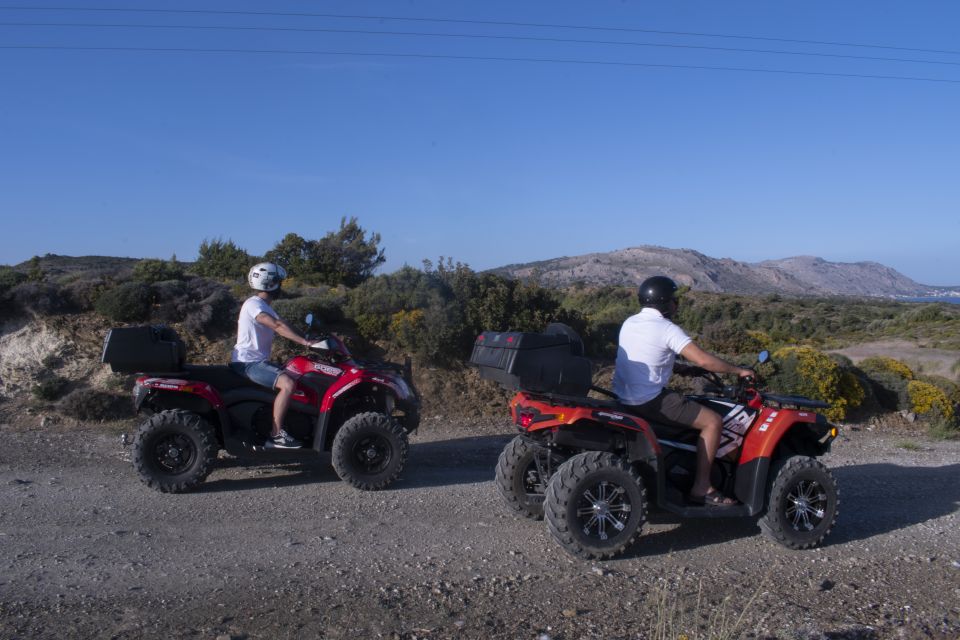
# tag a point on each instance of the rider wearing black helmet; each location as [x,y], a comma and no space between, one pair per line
[649,344]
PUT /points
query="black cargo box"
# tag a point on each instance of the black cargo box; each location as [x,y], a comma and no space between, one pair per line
[155,349]
[548,362]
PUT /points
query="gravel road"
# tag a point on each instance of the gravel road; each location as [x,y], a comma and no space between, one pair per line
[285,550]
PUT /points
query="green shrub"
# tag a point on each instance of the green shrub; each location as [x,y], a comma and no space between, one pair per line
[9,278]
[888,378]
[49,388]
[890,390]
[129,302]
[215,313]
[728,338]
[326,309]
[40,298]
[82,293]
[940,425]
[89,404]
[151,270]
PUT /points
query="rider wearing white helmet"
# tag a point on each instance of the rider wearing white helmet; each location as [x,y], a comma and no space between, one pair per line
[256,327]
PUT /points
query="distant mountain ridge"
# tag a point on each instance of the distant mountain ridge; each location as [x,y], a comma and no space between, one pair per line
[800,275]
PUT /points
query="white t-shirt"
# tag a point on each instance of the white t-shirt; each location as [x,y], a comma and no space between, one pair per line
[254,340]
[649,343]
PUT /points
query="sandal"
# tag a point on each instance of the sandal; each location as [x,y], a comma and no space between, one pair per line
[712,498]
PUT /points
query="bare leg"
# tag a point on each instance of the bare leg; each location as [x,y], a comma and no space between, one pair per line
[285,386]
[709,424]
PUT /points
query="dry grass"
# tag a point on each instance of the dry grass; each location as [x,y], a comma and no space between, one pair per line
[690,617]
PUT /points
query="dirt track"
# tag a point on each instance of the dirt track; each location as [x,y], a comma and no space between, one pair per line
[285,550]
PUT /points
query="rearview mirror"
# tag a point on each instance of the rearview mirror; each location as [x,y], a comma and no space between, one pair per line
[763,357]
[309,320]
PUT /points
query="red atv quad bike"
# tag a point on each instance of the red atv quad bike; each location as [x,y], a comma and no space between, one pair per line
[594,469]
[360,411]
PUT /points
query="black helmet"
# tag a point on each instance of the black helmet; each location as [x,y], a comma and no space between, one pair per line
[658,292]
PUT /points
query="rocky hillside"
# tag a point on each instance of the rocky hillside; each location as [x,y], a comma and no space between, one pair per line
[803,275]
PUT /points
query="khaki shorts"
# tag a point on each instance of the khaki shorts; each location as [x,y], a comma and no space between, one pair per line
[669,407]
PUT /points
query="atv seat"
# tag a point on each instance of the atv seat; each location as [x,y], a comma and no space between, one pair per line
[219,376]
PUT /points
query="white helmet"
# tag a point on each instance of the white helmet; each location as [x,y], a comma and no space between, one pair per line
[266,276]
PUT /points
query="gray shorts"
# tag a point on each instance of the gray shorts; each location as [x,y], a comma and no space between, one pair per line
[670,407]
[263,373]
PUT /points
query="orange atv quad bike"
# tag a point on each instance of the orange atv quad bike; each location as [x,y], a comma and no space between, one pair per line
[594,469]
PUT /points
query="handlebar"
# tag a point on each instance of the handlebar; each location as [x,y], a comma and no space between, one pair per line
[736,391]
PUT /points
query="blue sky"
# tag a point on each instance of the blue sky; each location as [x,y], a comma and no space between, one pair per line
[147,153]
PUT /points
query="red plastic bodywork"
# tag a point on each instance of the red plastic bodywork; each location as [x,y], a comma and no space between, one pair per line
[549,415]
[201,389]
[346,374]
[760,440]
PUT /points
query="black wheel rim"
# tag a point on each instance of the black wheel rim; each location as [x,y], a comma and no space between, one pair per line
[372,453]
[806,505]
[174,453]
[603,510]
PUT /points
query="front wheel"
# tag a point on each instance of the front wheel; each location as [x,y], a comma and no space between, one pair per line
[174,451]
[595,505]
[369,451]
[803,505]
[523,471]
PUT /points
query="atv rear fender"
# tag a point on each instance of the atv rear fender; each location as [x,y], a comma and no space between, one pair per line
[585,424]
[160,394]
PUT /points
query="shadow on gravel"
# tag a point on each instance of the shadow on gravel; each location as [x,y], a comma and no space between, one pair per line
[430,464]
[880,498]
[267,474]
[692,533]
[449,462]
[874,499]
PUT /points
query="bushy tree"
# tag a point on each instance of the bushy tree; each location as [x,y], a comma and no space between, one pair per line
[347,256]
[296,254]
[222,259]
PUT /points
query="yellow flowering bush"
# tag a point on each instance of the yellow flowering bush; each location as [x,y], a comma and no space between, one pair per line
[925,397]
[878,364]
[810,372]
[408,327]
[761,337]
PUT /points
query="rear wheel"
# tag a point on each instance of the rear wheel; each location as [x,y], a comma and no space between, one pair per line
[803,505]
[174,451]
[523,471]
[369,451]
[595,505]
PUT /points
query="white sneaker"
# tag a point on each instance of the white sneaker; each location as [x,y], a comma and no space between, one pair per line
[283,440]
